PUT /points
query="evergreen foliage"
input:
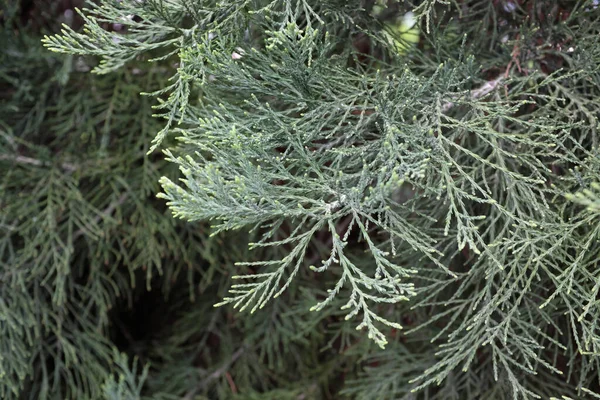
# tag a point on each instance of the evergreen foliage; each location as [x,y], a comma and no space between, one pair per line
[406,211]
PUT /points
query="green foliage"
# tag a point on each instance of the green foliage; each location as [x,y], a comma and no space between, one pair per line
[441,196]
[128,386]
[587,197]
[79,226]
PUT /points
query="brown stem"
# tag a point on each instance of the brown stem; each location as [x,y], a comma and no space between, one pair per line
[215,375]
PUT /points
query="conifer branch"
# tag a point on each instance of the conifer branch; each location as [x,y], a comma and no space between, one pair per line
[69,167]
[107,212]
[477,93]
[365,176]
[215,374]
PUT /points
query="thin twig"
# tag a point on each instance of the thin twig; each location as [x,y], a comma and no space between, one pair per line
[481,91]
[106,213]
[38,163]
[215,375]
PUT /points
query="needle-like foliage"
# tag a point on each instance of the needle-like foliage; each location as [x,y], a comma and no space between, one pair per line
[423,174]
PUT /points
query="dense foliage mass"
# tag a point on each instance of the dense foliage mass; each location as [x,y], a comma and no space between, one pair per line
[385,199]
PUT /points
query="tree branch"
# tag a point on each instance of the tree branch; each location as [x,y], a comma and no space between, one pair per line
[481,91]
[107,212]
[38,163]
[215,375]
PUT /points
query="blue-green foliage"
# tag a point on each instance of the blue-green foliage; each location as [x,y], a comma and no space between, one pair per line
[442,199]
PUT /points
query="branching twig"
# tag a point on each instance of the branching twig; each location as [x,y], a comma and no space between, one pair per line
[107,212]
[481,91]
[215,375]
[38,163]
